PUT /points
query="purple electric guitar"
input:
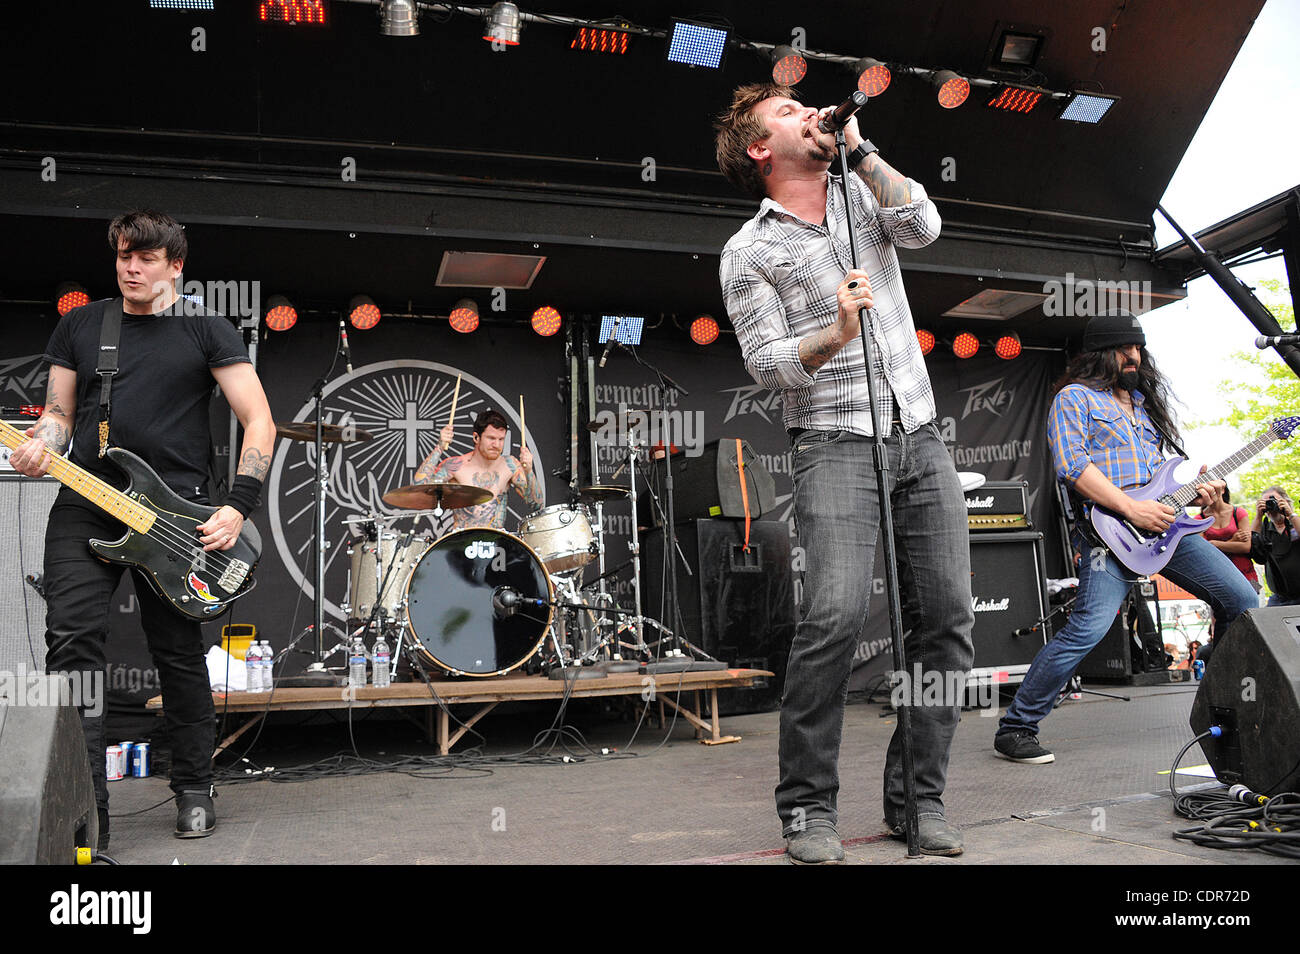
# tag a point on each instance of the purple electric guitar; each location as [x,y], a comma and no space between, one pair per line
[1145,552]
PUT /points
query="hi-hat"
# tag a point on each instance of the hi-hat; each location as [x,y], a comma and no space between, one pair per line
[436,495]
[330,433]
[603,492]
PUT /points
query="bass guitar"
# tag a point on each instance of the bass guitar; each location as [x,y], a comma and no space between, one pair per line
[1146,552]
[161,538]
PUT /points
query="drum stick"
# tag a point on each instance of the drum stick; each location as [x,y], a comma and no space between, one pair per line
[455,395]
[523,432]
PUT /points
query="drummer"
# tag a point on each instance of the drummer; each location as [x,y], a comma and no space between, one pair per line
[487,467]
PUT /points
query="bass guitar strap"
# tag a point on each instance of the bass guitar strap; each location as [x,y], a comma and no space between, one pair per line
[109,337]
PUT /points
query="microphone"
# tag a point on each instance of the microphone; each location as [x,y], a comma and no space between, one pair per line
[1263,342]
[840,116]
[1024,631]
[609,343]
[347,351]
[506,601]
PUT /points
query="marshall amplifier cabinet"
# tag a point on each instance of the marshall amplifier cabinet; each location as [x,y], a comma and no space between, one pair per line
[999,505]
[1010,597]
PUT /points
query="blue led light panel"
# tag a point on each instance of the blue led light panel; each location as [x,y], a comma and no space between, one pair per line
[1087,109]
[629,329]
[182,4]
[697,45]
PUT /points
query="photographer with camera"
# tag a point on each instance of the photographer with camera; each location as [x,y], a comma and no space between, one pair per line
[1275,542]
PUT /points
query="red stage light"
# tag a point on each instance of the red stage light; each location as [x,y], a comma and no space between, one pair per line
[546,321]
[280,315]
[873,76]
[788,66]
[704,330]
[293,11]
[953,90]
[363,313]
[68,296]
[965,345]
[1015,99]
[464,317]
[597,40]
[925,339]
[1008,347]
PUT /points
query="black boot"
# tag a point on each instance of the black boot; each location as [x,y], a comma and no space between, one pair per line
[102,812]
[195,815]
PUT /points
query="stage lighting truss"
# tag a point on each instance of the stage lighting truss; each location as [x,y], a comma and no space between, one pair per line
[788,65]
[363,313]
[280,314]
[464,316]
[693,43]
[70,295]
[545,321]
[704,330]
[503,24]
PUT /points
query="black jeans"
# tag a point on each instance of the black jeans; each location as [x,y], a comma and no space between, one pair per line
[78,588]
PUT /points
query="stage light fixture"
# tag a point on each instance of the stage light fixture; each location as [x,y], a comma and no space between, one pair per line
[600,40]
[182,4]
[788,65]
[1015,99]
[1084,107]
[965,345]
[952,89]
[925,339]
[464,316]
[503,24]
[399,18]
[873,76]
[1018,49]
[697,44]
[70,295]
[704,330]
[1008,347]
[545,321]
[295,12]
[280,314]
[363,313]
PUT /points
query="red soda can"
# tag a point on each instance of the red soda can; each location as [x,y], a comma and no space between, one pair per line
[114,763]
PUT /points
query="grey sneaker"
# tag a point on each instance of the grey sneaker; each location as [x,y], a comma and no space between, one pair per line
[933,834]
[1022,746]
[819,845]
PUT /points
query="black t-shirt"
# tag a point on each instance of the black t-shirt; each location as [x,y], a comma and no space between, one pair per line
[160,393]
[1280,555]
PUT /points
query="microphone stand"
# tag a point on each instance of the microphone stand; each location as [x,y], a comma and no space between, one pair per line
[880,456]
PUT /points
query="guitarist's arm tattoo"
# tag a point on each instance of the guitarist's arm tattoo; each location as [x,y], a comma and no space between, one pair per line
[254,464]
[55,435]
[55,425]
[886,183]
[818,348]
[532,489]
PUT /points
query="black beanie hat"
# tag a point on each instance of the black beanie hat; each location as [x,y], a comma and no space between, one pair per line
[1115,330]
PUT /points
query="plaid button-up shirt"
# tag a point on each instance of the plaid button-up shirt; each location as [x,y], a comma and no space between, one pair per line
[779,275]
[1087,426]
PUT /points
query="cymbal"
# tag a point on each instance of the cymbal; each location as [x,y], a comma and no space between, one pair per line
[603,492]
[442,494]
[330,433]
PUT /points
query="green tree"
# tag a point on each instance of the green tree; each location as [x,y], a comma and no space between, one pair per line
[1267,389]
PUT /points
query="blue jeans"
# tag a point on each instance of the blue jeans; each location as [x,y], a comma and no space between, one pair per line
[837,512]
[1196,566]
[1276,600]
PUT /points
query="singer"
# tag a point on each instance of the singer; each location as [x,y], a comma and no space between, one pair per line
[1110,421]
[793,297]
[168,359]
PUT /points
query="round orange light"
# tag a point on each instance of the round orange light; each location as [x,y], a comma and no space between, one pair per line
[965,345]
[874,80]
[789,69]
[73,298]
[953,89]
[464,317]
[281,316]
[546,321]
[364,317]
[925,339]
[1008,347]
[704,330]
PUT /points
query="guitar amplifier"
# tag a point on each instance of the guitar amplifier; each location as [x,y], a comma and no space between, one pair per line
[999,505]
[1010,598]
[24,510]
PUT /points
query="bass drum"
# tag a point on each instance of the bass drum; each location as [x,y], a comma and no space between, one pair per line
[453,620]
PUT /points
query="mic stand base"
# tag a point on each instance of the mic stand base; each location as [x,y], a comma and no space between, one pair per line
[682,664]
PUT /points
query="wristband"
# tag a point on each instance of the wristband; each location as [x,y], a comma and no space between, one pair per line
[245,494]
[865,148]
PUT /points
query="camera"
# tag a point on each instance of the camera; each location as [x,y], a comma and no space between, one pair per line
[1271,506]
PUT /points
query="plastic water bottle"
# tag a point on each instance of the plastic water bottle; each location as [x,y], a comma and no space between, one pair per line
[253,668]
[268,664]
[380,660]
[357,663]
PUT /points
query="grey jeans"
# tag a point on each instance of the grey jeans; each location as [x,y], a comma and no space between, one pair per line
[838,516]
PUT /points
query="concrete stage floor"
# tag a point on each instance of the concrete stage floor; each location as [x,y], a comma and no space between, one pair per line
[1103,802]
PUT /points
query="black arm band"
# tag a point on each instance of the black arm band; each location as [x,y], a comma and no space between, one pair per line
[865,148]
[245,494]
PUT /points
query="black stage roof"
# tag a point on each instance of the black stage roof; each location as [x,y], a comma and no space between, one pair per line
[542,150]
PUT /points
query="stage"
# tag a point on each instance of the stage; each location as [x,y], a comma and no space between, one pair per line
[1103,802]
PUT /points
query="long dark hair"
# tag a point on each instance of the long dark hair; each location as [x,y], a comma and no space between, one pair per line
[1100,370]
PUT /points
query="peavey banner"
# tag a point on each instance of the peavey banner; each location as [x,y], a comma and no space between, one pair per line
[991,413]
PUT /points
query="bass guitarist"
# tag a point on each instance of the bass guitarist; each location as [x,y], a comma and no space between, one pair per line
[1109,425]
[168,357]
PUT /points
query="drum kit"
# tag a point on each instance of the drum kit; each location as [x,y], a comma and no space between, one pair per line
[479,601]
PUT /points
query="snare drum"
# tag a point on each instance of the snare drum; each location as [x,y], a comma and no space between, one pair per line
[561,535]
[381,561]
[454,620]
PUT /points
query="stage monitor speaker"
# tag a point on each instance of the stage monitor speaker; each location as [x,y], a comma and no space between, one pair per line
[709,485]
[47,800]
[736,606]
[1252,689]
[1009,594]
[24,510]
